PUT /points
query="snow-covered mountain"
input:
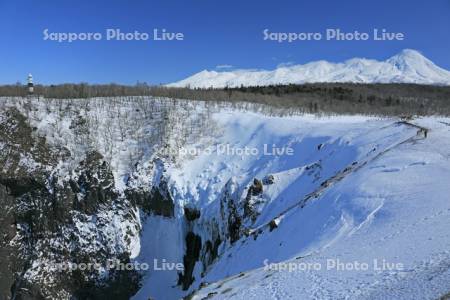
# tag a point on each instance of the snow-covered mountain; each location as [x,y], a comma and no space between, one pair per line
[409,66]
[225,190]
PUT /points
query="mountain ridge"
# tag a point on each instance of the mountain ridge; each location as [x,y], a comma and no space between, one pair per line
[408,66]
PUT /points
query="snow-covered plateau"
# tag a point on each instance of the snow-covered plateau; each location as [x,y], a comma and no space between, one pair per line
[408,66]
[254,202]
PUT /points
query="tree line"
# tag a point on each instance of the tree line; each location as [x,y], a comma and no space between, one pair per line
[328,98]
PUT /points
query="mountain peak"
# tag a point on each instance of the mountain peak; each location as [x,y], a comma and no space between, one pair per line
[408,66]
[410,53]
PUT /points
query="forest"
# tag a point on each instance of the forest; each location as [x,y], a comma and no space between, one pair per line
[326,98]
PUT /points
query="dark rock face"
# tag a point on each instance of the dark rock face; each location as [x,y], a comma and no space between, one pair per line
[94,185]
[269,179]
[48,219]
[257,188]
[254,191]
[191,214]
[19,141]
[230,213]
[158,201]
[193,248]
[211,251]
[10,263]
[19,186]
[234,224]
[26,291]
[273,225]
[121,284]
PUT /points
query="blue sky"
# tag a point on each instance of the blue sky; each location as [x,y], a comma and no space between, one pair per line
[216,33]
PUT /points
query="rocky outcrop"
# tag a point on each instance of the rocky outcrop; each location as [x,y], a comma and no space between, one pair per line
[193,248]
[157,201]
[252,200]
[191,214]
[93,184]
[50,218]
[230,211]
[268,180]
[10,261]
[147,189]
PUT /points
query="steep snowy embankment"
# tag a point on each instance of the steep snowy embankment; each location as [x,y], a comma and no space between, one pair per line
[353,189]
[380,233]
[243,148]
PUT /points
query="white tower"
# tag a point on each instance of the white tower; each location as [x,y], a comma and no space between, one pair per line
[30,85]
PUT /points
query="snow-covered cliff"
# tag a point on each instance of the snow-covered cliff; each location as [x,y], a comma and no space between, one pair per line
[222,189]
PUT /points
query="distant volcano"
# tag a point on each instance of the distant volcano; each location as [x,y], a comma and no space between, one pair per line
[409,66]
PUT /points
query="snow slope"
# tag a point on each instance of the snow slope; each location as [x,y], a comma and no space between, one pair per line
[393,210]
[200,180]
[409,66]
[379,193]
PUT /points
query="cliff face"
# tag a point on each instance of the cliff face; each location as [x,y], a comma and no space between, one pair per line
[9,260]
[51,218]
[90,186]
[77,179]
[91,182]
